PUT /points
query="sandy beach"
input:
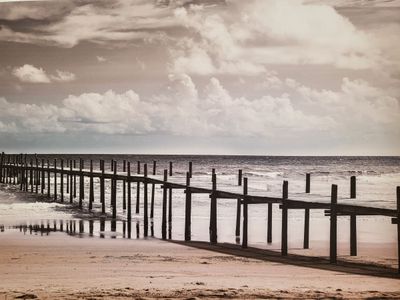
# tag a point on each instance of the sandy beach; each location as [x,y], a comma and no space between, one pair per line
[62,267]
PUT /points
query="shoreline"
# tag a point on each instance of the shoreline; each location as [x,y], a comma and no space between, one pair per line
[58,266]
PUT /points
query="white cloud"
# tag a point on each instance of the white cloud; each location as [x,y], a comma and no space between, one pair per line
[63,76]
[101,58]
[185,110]
[29,73]
[32,74]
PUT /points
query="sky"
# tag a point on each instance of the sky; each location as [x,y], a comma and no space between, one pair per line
[256,77]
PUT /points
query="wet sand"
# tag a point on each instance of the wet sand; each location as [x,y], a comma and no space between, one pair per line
[63,267]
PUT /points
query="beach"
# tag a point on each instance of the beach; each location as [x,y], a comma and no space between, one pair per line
[62,267]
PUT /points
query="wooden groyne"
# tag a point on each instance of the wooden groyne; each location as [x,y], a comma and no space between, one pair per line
[35,176]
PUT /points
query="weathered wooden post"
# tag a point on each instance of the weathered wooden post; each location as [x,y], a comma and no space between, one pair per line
[238,206]
[102,195]
[43,178]
[124,186]
[129,212]
[398,227]
[81,190]
[48,179]
[74,179]
[164,207]
[333,226]
[71,194]
[22,182]
[306,240]
[91,187]
[245,214]
[138,190]
[170,168]
[36,176]
[353,219]
[188,209]
[1,166]
[67,176]
[170,212]
[213,211]
[55,179]
[62,181]
[269,224]
[145,203]
[114,192]
[153,188]
[284,236]
[190,169]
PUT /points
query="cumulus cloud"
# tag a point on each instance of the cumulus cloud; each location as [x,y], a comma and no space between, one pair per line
[29,73]
[185,110]
[32,74]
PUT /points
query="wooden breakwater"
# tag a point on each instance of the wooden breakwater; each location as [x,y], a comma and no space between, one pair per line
[35,175]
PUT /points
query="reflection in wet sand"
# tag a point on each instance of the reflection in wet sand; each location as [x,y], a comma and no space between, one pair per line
[102,228]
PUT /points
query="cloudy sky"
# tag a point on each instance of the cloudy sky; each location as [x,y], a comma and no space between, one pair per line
[281,77]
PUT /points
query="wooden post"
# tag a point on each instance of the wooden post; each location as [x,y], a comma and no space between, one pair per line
[62,181]
[71,194]
[306,241]
[129,212]
[81,190]
[398,227]
[170,213]
[284,236]
[36,176]
[91,186]
[102,194]
[48,179]
[114,192]
[213,211]
[1,166]
[138,190]
[145,203]
[74,179]
[308,182]
[352,187]
[333,226]
[55,179]
[188,208]
[190,169]
[245,214]
[269,224]
[353,235]
[170,168]
[22,175]
[238,206]
[124,186]
[43,178]
[164,207]
[153,190]
[67,188]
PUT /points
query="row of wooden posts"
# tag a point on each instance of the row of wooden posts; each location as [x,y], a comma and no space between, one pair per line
[15,169]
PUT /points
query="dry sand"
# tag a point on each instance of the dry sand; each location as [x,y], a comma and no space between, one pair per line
[62,267]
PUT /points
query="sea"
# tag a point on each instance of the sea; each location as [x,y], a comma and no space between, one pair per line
[377,179]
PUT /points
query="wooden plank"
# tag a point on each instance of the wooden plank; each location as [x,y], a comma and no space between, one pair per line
[91,187]
[48,179]
[102,188]
[153,191]
[55,179]
[333,226]
[308,183]
[71,181]
[114,193]
[81,189]
[269,224]
[124,186]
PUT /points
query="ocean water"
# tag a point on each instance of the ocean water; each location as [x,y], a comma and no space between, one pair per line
[377,178]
